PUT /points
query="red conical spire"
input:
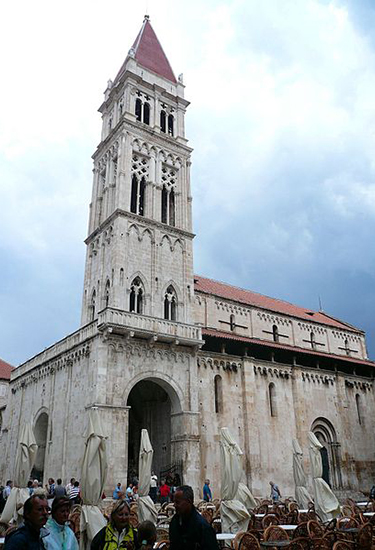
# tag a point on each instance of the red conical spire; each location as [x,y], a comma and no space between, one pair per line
[148,52]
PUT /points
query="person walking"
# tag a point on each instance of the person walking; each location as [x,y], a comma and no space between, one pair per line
[275,492]
[207,494]
[117,493]
[164,492]
[60,490]
[153,486]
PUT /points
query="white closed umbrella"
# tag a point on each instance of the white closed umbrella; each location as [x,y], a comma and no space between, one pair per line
[234,516]
[302,495]
[245,496]
[93,477]
[25,458]
[326,504]
[146,507]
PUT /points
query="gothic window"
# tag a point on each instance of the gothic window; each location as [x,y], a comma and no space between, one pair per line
[358,402]
[92,306]
[170,124]
[218,394]
[138,109]
[168,197]
[114,160]
[120,108]
[136,296]
[138,187]
[110,121]
[146,113]
[163,121]
[170,304]
[232,323]
[107,292]
[272,399]
[275,333]
[121,277]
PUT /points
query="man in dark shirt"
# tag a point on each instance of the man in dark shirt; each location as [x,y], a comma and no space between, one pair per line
[188,530]
[29,535]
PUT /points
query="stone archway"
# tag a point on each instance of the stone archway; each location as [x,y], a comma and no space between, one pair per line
[153,404]
[40,432]
[330,453]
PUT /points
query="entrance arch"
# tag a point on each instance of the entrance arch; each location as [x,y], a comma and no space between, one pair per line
[330,453]
[152,405]
[40,432]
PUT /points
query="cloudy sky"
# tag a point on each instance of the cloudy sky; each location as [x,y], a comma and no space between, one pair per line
[282,121]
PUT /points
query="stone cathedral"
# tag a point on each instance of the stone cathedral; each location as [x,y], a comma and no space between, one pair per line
[176,353]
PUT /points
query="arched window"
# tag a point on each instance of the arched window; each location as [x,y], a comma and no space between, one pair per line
[137,198]
[272,399]
[163,121]
[358,401]
[232,323]
[136,296]
[275,333]
[168,206]
[138,109]
[110,122]
[92,305]
[171,208]
[170,304]
[122,277]
[170,125]
[106,295]
[347,348]
[146,113]
[164,205]
[218,394]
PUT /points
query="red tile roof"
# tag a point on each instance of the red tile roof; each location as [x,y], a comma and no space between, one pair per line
[269,343]
[150,54]
[249,298]
[5,370]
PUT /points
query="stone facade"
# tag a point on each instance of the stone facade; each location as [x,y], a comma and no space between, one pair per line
[181,355]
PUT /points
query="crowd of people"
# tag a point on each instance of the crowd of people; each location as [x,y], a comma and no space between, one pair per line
[47,527]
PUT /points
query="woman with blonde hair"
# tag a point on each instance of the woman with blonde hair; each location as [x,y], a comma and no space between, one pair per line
[118,534]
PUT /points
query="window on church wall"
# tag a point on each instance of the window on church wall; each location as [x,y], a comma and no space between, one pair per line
[218,386]
[275,333]
[107,293]
[114,163]
[170,304]
[163,121]
[170,124]
[347,347]
[312,340]
[164,205]
[92,306]
[138,186]
[272,399]
[358,402]
[146,113]
[110,122]
[136,296]
[171,208]
[168,196]
[121,277]
[232,323]
[138,109]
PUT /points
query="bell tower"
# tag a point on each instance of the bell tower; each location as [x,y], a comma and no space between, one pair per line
[139,246]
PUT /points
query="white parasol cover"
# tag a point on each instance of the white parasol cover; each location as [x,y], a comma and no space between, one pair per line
[234,516]
[326,504]
[302,495]
[25,459]
[93,477]
[245,496]
[146,507]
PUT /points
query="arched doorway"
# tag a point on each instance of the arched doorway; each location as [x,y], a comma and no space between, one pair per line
[330,452]
[151,407]
[40,432]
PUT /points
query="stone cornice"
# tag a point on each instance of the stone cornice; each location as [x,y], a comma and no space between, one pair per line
[217,363]
[142,220]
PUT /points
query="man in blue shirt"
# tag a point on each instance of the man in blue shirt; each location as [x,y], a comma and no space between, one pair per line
[117,492]
[207,495]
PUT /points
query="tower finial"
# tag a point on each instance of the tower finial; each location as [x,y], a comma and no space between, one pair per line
[146,18]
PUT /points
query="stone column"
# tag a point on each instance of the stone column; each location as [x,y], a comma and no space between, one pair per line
[185,447]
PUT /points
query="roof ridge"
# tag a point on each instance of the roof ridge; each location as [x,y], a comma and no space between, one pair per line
[259,294]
